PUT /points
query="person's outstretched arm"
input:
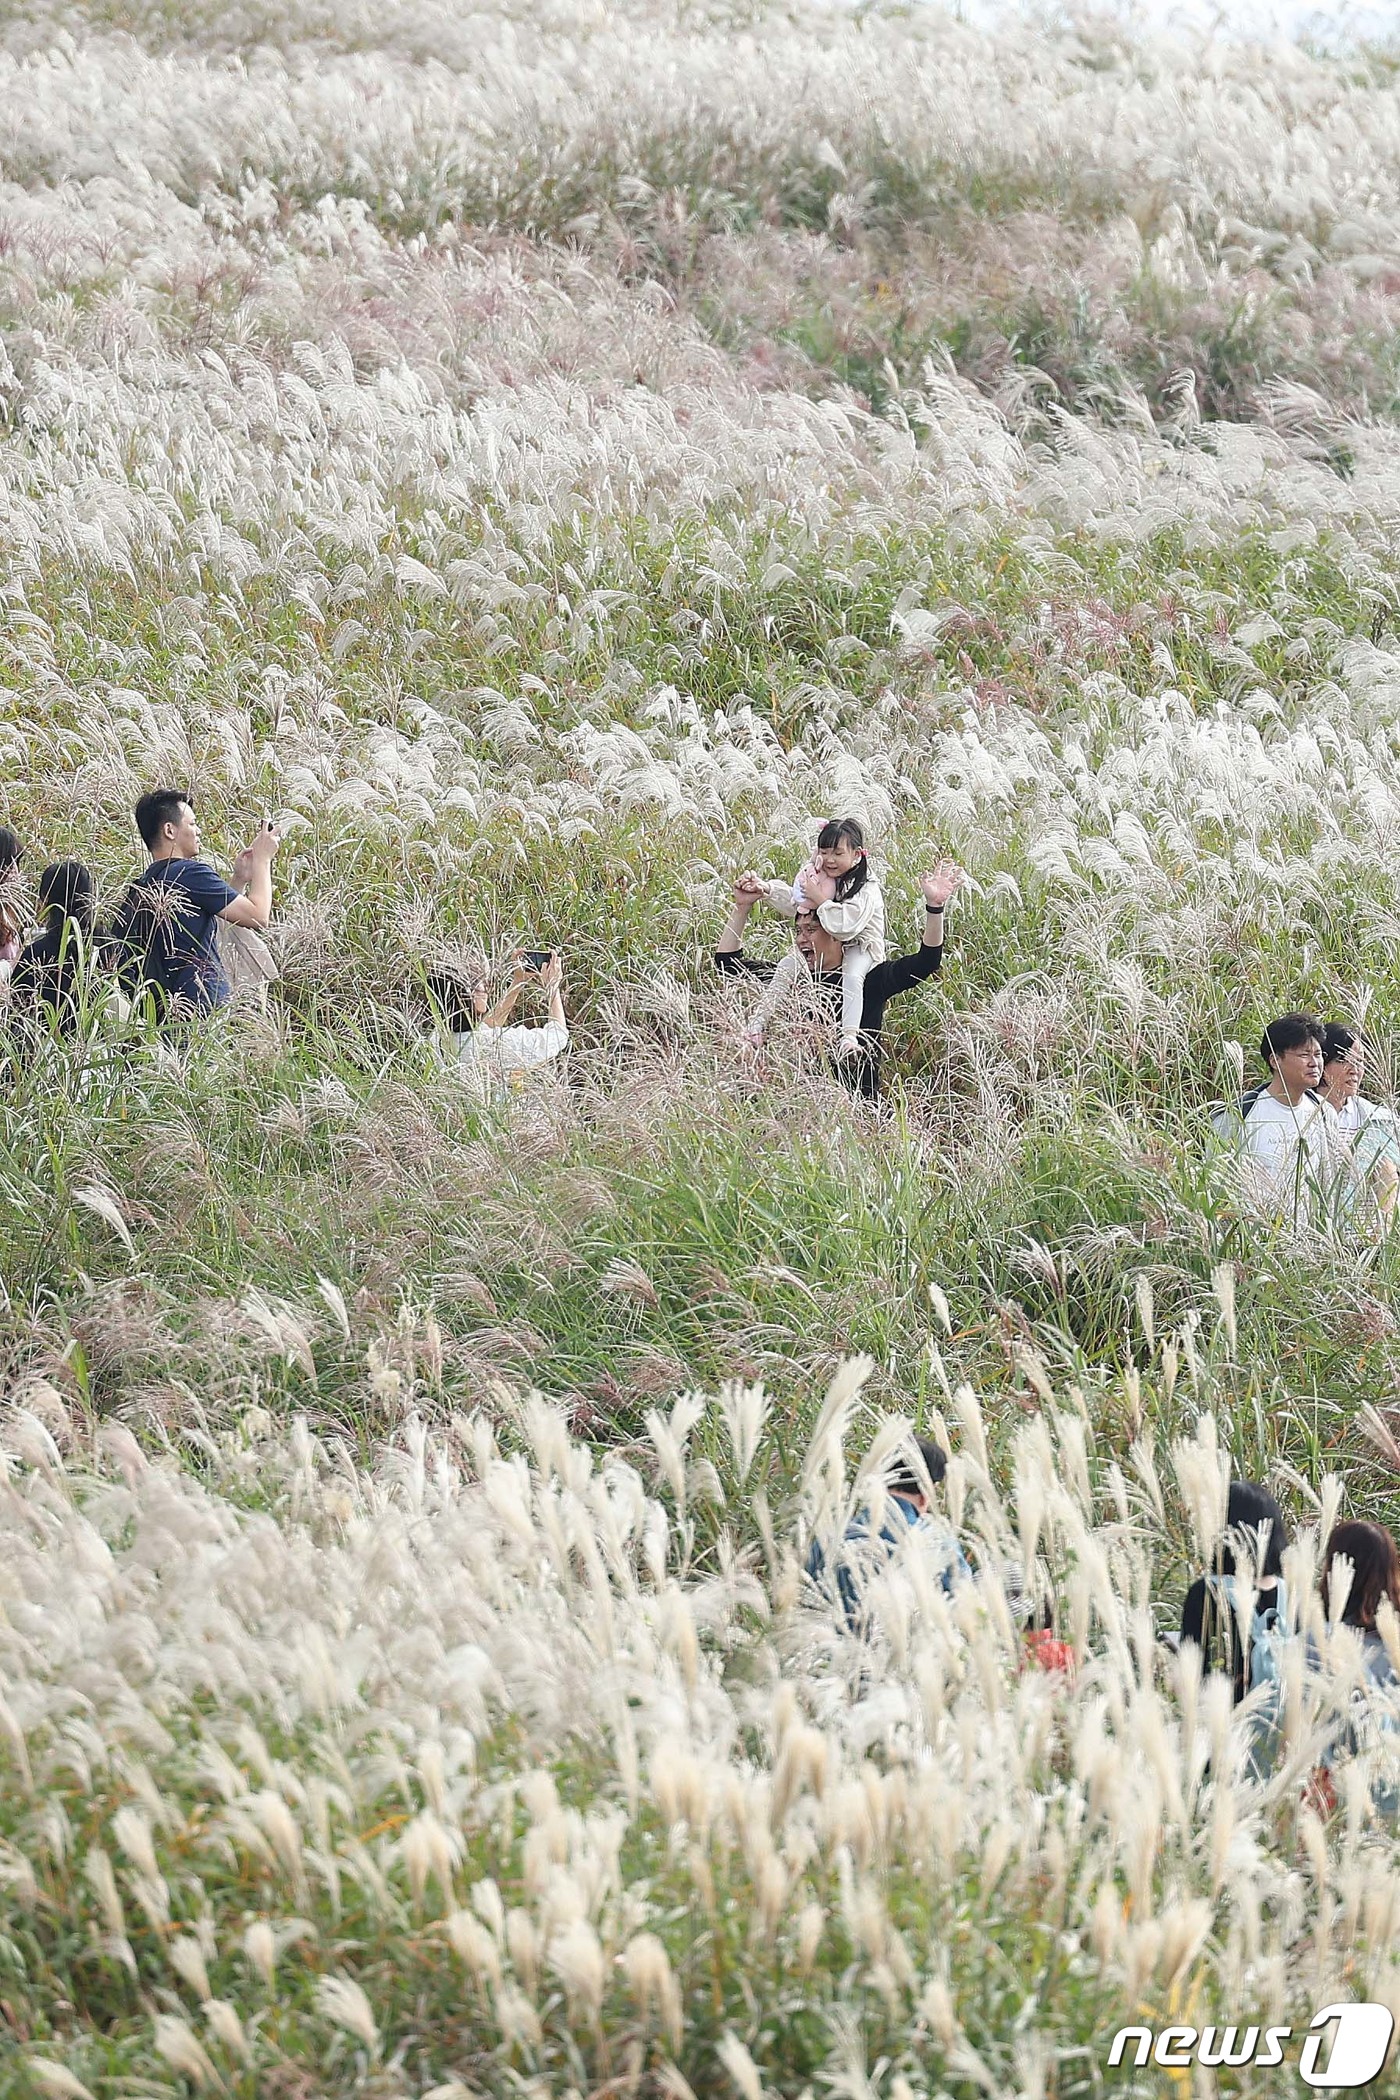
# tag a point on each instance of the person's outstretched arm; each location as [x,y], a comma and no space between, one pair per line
[730,959]
[552,978]
[902,972]
[254,867]
[792,970]
[747,893]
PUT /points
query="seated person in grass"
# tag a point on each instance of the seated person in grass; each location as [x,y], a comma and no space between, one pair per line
[164,938]
[46,984]
[1361,1583]
[812,970]
[1219,1613]
[910,1522]
[1369,1130]
[1291,1148]
[493,1052]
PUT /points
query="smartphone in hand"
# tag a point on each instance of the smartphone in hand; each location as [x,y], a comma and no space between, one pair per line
[536,959]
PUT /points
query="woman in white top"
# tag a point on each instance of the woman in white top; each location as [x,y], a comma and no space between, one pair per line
[493,1052]
[1369,1130]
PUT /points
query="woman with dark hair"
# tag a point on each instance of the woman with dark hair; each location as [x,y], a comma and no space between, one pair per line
[48,973]
[1361,1569]
[492,1052]
[1253,1540]
[1365,1126]
[1375,1574]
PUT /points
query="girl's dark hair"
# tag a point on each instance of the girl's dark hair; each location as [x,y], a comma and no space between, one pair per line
[1337,1041]
[11,851]
[66,894]
[1247,1508]
[845,831]
[1375,1571]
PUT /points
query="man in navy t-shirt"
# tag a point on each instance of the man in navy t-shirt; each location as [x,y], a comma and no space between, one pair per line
[165,933]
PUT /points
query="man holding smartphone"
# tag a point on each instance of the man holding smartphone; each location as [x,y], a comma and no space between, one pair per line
[164,936]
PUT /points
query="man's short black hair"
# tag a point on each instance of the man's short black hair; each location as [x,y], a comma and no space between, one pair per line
[160,807]
[907,1478]
[11,851]
[1290,1032]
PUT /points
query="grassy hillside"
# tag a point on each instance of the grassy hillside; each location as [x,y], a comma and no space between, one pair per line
[549,456]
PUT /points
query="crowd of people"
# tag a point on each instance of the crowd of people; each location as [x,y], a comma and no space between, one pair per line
[183,939]
[1314,1150]
[1237,1621]
[175,935]
[1310,1144]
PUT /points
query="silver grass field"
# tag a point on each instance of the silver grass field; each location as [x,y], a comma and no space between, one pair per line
[548,456]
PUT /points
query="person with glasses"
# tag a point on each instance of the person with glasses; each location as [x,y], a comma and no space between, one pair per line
[1370,1130]
[1293,1157]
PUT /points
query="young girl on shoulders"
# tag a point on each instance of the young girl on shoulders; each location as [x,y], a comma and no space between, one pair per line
[839,885]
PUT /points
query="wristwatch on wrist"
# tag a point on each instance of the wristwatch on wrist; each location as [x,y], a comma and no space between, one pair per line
[932,908]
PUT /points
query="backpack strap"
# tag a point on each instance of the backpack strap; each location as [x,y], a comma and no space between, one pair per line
[1257,1093]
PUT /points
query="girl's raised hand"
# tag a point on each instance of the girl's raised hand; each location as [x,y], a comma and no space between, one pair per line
[818,885]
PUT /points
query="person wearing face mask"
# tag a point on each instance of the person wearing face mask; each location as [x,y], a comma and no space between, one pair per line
[1369,1130]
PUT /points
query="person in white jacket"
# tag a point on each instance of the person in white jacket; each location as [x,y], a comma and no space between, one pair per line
[492,1052]
[839,884]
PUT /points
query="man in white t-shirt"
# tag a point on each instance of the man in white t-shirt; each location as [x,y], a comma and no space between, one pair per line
[1290,1145]
[493,1053]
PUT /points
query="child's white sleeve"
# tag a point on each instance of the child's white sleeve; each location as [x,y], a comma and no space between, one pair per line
[781,900]
[859,918]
